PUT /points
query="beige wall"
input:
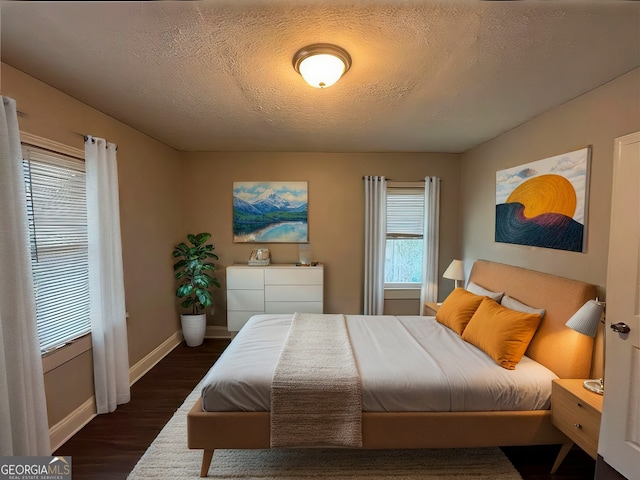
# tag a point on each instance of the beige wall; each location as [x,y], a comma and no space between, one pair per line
[596,119]
[157,210]
[156,213]
[150,221]
[336,209]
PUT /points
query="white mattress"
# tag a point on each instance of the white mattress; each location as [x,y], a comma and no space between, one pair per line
[405,363]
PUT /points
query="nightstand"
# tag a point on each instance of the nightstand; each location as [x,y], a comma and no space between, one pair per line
[430,308]
[576,412]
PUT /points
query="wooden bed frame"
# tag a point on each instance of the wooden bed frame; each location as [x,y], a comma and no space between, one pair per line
[565,352]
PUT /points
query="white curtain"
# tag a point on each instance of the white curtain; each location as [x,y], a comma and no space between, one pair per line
[24,428]
[375,225]
[429,291]
[106,281]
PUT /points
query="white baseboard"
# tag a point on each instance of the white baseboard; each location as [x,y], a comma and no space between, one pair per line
[216,331]
[137,371]
[72,423]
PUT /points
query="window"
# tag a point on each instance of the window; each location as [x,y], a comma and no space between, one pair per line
[57,214]
[405,235]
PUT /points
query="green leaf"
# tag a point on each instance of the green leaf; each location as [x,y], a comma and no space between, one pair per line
[188,302]
[203,237]
[180,264]
[204,298]
[209,278]
[201,282]
[193,264]
[185,290]
[182,247]
[192,238]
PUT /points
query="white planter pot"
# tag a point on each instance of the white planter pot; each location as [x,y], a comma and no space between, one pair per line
[193,328]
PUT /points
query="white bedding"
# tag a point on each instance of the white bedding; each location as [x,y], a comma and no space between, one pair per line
[405,363]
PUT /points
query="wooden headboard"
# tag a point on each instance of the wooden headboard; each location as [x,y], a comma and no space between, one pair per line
[566,352]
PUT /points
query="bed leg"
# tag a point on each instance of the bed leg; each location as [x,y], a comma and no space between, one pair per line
[207,455]
[563,453]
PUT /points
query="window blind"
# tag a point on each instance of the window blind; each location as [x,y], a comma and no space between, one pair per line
[56,208]
[405,212]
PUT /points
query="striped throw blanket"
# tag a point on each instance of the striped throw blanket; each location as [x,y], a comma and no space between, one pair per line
[316,394]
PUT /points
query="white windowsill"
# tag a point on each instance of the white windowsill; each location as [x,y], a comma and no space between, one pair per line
[57,357]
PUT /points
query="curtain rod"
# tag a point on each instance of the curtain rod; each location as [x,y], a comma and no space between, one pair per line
[391,180]
[86,137]
[93,140]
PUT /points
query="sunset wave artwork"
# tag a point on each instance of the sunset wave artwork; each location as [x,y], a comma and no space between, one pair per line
[543,203]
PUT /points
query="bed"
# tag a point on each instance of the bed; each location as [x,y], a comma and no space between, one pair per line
[556,348]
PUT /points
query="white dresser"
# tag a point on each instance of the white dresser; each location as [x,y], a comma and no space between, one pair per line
[274,289]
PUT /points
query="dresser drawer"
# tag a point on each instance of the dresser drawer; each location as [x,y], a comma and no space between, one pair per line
[293,276]
[293,293]
[245,300]
[576,419]
[245,278]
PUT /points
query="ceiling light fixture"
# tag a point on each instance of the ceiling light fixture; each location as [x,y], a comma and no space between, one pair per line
[321,64]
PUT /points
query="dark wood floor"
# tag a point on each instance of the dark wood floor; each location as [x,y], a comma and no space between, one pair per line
[110,445]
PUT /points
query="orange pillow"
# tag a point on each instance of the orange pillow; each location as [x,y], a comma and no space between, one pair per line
[457,309]
[501,333]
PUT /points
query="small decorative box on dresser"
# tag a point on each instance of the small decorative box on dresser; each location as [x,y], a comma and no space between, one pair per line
[274,289]
[576,412]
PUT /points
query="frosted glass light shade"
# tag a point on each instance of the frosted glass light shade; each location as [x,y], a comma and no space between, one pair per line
[587,319]
[321,71]
[322,64]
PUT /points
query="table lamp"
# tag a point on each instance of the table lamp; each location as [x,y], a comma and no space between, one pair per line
[455,271]
[586,321]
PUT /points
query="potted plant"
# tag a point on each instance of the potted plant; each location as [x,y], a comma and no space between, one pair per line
[195,283]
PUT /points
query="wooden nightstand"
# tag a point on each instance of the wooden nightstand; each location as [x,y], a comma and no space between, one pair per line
[576,412]
[430,308]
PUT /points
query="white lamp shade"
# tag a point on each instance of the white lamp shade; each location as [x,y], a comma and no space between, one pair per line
[322,70]
[587,319]
[455,270]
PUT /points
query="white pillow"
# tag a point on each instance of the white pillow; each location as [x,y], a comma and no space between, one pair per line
[478,290]
[513,304]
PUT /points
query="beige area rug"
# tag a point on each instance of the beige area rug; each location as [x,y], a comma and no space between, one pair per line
[169,458]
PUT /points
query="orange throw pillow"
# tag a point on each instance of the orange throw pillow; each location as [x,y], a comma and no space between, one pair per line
[457,309]
[501,333]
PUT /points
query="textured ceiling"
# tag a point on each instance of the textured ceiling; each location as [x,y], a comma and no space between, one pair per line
[426,76]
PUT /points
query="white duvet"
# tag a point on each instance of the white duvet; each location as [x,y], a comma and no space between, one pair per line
[406,364]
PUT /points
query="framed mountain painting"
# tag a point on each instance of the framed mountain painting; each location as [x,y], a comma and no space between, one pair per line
[270,212]
[544,203]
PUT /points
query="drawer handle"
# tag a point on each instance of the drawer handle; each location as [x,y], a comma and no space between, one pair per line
[577,425]
[579,404]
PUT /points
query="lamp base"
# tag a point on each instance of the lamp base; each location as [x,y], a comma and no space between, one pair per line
[596,386]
